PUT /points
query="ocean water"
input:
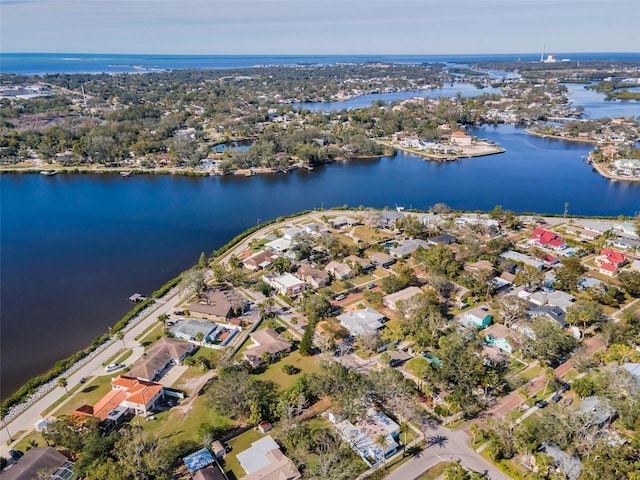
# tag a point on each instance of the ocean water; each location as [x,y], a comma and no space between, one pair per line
[43,63]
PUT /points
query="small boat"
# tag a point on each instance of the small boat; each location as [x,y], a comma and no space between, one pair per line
[125,174]
[48,173]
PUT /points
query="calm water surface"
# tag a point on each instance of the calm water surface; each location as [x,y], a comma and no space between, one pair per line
[74,247]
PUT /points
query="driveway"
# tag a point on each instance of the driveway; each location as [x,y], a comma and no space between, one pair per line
[446,446]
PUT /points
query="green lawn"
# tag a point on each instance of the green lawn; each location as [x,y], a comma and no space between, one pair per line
[434,472]
[88,395]
[178,426]
[274,372]
[239,444]
[152,336]
[506,466]
[532,372]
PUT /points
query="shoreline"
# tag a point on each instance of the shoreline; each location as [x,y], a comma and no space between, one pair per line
[446,158]
[558,137]
[603,170]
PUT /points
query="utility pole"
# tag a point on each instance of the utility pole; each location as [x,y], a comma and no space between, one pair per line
[566,209]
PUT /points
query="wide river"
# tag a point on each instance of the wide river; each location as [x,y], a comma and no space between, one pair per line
[74,247]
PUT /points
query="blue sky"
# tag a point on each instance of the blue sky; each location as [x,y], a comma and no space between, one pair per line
[319,27]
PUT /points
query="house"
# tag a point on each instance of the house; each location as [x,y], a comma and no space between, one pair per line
[459,293]
[279,245]
[259,260]
[190,329]
[407,247]
[198,460]
[214,335]
[500,336]
[599,410]
[609,261]
[265,461]
[362,435]
[547,311]
[445,239]
[210,472]
[363,321]
[388,218]
[622,241]
[290,232]
[285,284]
[478,317]
[569,466]
[548,239]
[382,259]
[39,459]
[522,258]
[588,282]
[632,369]
[635,265]
[128,394]
[218,304]
[398,357]
[314,229]
[362,263]
[266,340]
[160,357]
[582,233]
[314,277]
[479,266]
[343,221]
[558,298]
[461,139]
[340,271]
[391,301]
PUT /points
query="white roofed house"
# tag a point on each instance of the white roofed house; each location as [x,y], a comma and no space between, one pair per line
[361,322]
[290,232]
[388,218]
[340,271]
[343,221]
[285,284]
[265,461]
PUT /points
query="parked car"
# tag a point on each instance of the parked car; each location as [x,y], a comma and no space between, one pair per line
[113,367]
[541,403]
[83,380]
[556,398]
[340,297]
[15,454]
[565,387]
[371,285]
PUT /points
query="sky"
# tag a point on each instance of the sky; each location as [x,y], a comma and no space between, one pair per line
[272,27]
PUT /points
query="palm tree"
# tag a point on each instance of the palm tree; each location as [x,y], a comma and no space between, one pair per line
[550,374]
[62,382]
[199,337]
[524,394]
[3,413]
[404,428]
[382,442]
[120,336]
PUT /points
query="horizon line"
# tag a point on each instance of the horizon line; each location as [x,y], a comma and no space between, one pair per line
[313,54]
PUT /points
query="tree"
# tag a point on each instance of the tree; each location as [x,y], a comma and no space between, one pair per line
[530,276]
[62,382]
[630,281]
[550,374]
[120,336]
[202,261]
[199,337]
[549,343]
[586,312]
[382,442]
[568,274]
[404,428]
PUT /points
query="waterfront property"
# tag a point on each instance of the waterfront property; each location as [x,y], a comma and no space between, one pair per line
[218,304]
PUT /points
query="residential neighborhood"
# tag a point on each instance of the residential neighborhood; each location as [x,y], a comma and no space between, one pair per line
[375,329]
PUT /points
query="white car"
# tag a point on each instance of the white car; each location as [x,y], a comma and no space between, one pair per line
[113,367]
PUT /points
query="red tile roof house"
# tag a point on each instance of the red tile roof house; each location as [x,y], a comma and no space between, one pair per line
[609,261]
[547,238]
[128,393]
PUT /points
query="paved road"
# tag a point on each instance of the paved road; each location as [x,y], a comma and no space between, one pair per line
[446,446]
[26,420]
